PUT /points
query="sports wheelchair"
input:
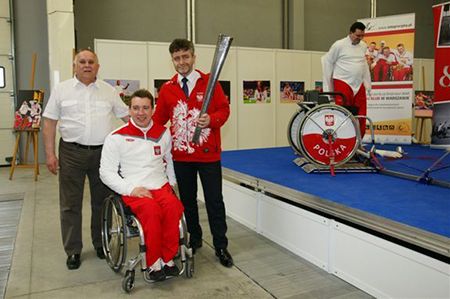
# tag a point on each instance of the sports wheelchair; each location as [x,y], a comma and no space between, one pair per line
[327,136]
[118,225]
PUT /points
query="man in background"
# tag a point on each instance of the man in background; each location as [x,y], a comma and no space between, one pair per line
[345,70]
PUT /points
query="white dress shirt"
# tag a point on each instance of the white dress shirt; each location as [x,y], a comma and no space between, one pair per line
[346,62]
[84,113]
[192,80]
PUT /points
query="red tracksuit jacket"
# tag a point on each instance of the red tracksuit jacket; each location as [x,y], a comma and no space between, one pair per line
[183,112]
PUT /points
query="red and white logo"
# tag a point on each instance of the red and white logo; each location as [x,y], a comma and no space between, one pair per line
[329,120]
[200,96]
[444,81]
[157,150]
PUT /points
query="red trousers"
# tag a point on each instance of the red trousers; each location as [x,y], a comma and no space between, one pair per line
[159,217]
[358,100]
[381,71]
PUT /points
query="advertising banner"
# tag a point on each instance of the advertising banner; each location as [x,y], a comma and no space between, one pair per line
[441,118]
[390,55]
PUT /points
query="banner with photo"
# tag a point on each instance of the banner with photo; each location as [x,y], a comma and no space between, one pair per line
[441,117]
[390,55]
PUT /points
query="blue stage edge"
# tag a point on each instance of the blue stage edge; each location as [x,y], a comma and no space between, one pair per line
[422,206]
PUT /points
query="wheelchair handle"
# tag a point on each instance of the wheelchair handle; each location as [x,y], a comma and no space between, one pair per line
[327,93]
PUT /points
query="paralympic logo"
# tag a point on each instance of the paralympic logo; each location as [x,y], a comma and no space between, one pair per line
[446,75]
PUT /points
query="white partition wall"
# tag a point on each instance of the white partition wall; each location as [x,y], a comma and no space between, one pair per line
[159,63]
[122,60]
[289,66]
[256,122]
[423,74]
[250,125]
[316,68]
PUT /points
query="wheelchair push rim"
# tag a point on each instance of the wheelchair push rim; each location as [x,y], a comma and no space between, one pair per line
[114,233]
[328,135]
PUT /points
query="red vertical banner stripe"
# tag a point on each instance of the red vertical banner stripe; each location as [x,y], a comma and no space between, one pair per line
[442,52]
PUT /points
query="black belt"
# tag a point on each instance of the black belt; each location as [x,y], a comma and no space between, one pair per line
[88,147]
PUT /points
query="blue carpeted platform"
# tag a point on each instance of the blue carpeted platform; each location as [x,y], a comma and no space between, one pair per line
[426,207]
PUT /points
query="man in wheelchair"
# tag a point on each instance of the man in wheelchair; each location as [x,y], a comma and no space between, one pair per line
[137,163]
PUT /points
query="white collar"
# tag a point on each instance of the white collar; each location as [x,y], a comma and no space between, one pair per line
[144,130]
[192,77]
[78,82]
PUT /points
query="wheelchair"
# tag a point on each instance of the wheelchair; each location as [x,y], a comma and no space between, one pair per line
[118,225]
[325,135]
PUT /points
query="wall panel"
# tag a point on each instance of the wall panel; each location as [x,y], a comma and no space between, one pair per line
[289,66]
[256,125]
[122,60]
[250,125]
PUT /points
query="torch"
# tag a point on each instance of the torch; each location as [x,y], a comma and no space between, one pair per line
[222,47]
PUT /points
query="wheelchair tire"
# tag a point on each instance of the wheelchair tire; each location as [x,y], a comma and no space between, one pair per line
[293,132]
[189,267]
[114,230]
[128,281]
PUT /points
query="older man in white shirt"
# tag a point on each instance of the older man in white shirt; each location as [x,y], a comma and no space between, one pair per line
[345,70]
[84,107]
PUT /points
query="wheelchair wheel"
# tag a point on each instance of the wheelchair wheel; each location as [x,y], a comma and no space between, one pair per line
[184,238]
[128,281]
[328,135]
[114,237]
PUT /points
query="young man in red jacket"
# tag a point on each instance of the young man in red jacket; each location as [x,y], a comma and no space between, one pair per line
[180,101]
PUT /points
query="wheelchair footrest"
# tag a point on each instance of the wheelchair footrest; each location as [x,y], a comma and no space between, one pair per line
[349,167]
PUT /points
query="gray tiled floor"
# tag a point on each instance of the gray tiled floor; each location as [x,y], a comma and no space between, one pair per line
[10,207]
[263,269]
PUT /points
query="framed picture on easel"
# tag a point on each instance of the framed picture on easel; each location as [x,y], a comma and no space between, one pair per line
[29,110]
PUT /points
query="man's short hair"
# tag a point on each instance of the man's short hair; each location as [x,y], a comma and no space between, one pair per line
[357,25]
[142,93]
[84,50]
[181,44]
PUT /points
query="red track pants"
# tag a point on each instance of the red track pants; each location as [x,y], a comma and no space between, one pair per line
[358,100]
[159,217]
